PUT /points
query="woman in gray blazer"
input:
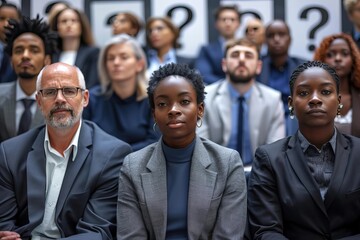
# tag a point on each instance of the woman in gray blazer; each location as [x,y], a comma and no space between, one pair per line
[183,186]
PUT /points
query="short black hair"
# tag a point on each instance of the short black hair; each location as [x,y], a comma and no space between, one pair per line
[221,8]
[313,64]
[174,69]
[36,26]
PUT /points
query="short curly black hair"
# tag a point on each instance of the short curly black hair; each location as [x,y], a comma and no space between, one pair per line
[36,26]
[174,69]
[312,64]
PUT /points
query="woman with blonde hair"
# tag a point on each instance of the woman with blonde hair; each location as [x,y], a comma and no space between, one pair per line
[120,104]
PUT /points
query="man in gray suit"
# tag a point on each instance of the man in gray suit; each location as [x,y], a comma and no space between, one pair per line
[262,114]
[30,45]
[59,180]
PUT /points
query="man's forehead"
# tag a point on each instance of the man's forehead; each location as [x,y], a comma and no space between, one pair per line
[241,48]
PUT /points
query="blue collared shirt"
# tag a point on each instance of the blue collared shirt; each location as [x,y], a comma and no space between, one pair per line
[247,157]
[155,63]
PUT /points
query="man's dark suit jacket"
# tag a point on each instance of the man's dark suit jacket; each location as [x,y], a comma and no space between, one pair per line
[86,207]
[86,60]
[209,64]
[7,73]
[284,201]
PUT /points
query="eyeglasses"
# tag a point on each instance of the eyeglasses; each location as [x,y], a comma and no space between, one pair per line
[68,92]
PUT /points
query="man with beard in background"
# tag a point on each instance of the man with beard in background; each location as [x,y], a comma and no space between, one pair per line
[30,45]
[241,113]
[60,180]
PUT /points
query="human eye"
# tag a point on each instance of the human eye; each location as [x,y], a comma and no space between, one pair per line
[185,102]
[69,91]
[330,54]
[49,92]
[326,92]
[303,93]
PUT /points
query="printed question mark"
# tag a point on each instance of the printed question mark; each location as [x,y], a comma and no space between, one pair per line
[323,21]
[189,14]
[255,14]
[110,19]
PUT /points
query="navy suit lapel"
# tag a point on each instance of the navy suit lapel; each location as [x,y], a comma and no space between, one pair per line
[36,179]
[73,169]
[298,162]
[341,162]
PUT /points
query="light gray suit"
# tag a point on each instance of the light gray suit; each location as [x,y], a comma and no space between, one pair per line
[266,115]
[8,112]
[217,194]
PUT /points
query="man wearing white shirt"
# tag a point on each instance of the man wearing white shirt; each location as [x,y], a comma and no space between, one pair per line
[30,45]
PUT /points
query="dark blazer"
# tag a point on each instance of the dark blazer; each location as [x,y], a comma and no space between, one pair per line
[208,62]
[8,111]
[86,60]
[86,207]
[355,100]
[217,194]
[7,73]
[284,201]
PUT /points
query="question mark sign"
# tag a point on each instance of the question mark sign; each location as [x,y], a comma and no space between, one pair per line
[255,14]
[188,11]
[323,21]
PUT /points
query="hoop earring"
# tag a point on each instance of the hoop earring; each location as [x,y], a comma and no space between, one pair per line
[291,113]
[154,127]
[199,125]
[338,113]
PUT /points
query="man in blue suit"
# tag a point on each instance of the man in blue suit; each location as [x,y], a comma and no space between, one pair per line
[208,62]
[59,180]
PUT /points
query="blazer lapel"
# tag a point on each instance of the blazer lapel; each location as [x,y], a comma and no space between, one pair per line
[10,112]
[36,179]
[154,186]
[201,188]
[255,106]
[341,162]
[298,163]
[223,102]
[73,167]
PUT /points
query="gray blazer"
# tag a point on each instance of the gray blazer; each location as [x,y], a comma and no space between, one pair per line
[8,111]
[266,115]
[217,194]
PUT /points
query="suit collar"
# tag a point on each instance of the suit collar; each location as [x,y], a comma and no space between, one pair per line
[298,162]
[201,187]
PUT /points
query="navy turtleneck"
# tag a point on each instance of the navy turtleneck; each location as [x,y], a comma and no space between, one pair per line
[178,163]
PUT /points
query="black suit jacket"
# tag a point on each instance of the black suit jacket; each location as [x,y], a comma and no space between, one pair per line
[284,201]
[86,60]
[86,207]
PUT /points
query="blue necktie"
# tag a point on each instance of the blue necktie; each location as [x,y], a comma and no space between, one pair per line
[239,145]
[25,120]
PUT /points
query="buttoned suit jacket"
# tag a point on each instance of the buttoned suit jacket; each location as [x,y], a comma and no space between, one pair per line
[86,207]
[284,201]
[208,62]
[266,115]
[86,60]
[217,194]
[8,112]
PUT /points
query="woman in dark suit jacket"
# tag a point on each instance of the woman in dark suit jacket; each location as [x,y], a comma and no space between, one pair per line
[183,186]
[341,52]
[76,43]
[307,186]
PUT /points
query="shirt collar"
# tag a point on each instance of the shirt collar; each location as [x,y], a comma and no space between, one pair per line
[73,144]
[20,94]
[234,94]
[170,56]
[304,143]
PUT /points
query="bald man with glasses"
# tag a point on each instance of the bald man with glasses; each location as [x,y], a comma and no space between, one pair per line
[59,180]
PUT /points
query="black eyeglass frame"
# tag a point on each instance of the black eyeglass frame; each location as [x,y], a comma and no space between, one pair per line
[62,91]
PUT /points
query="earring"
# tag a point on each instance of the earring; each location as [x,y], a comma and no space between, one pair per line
[338,114]
[197,123]
[291,112]
[154,127]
